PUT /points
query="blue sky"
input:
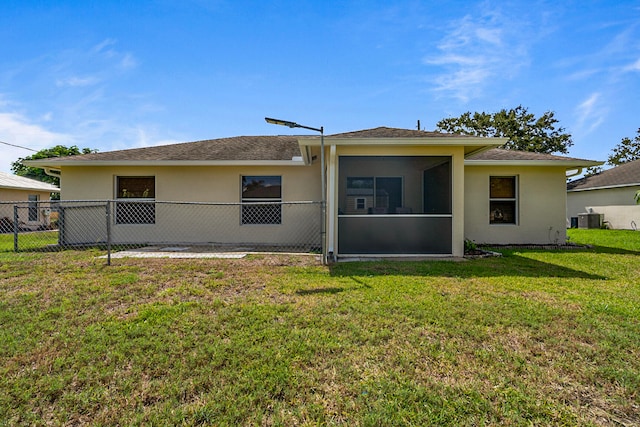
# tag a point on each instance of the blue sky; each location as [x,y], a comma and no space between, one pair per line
[122,74]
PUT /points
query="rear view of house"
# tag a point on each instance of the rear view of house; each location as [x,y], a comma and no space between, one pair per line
[389,192]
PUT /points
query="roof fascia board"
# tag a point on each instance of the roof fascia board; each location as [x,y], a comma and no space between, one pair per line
[49,190]
[306,154]
[606,187]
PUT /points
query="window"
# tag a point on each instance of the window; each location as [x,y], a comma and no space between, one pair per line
[388,185]
[140,207]
[379,195]
[261,200]
[503,200]
[33,207]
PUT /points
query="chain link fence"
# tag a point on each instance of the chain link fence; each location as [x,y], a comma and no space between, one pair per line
[126,224]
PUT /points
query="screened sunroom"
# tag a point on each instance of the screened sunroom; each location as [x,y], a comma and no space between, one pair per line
[395,205]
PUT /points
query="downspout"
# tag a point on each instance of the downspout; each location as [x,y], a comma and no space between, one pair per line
[52,172]
[573,172]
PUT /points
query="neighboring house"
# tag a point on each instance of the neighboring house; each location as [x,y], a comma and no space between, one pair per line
[610,193]
[391,192]
[16,188]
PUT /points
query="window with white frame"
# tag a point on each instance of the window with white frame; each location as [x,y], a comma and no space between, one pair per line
[503,200]
[135,200]
[261,199]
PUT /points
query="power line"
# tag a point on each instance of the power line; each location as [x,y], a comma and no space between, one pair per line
[19,146]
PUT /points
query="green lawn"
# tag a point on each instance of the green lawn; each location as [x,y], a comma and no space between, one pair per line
[35,240]
[530,338]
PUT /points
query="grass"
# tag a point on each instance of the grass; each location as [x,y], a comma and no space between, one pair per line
[35,240]
[531,338]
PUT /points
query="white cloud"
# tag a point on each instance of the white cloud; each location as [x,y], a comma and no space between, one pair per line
[100,47]
[590,114]
[477,50]
[465,83]
[633,67]
[77,81]
[128,62]
[17,130]
[99,64]
[145,137]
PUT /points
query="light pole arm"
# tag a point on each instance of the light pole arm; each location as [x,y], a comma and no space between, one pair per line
[291,124]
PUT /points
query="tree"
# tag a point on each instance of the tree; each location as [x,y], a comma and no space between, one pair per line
[524,131]
[592,170]
[36,173]
[626,151]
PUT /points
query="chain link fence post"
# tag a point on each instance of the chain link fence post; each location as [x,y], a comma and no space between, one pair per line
[108,209]
[61,225]
[15,228]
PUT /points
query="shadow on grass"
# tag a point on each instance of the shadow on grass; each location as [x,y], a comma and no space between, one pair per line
[611,250]
[315,291]
[578,249]
[511,264]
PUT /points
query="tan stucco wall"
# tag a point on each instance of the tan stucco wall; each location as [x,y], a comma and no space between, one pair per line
[457,154]
[196,223]
[541,206]
[11,195]
[619,217]
[577,201]
[14,195]
[193,183]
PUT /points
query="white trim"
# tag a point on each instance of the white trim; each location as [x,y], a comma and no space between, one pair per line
[42,190]
[606,187]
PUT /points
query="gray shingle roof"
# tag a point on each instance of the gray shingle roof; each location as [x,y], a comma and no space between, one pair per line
[623,175]
[21,183]
[385,132]
[502,154]
[274,148]
[235,148]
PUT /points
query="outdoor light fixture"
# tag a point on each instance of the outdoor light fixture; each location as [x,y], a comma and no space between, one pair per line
[322,174]
[291,124]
